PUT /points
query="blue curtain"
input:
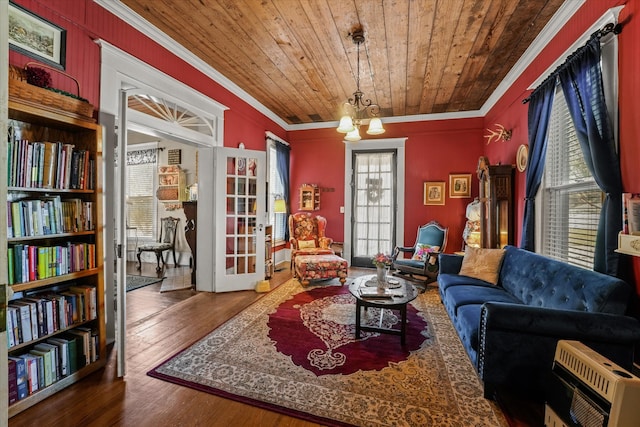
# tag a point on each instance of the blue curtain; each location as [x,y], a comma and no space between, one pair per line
[581,81]
[282,163]
[540,103]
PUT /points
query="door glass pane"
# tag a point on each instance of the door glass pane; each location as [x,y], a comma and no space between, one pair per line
[241,212]
[373,205]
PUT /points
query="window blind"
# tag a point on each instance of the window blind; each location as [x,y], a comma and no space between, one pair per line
[141,200]
[572,199]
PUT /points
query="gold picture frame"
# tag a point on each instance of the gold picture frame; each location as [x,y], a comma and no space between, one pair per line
[460,185]
[434,192]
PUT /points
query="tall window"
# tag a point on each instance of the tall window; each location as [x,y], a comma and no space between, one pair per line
[571,198]
[276,189]
[142,170]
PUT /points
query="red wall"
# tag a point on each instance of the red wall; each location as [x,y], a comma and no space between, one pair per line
[86,22]
[513,114]
[433,151]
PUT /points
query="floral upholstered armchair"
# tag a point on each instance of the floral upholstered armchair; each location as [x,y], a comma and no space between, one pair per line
[307,236]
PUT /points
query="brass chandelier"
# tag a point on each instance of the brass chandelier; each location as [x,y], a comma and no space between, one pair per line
[357,110]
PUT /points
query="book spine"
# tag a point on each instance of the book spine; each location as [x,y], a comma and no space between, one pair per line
[12,375]
[10,266]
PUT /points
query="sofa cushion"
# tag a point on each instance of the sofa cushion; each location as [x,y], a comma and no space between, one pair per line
[482,263]
[458,296]
[467,324]
[447,280]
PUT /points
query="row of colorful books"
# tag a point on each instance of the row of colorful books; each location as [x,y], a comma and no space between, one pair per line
[34,317]
[43,217]
[50,361]
[31,262]
[49,165]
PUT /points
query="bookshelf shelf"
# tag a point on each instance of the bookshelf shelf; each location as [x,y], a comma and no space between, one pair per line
[50,236]
[44,337]
[48,190]
[19,287]
[40,395]
[53,252]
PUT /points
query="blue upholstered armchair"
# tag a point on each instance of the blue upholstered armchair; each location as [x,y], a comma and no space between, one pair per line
[419,263]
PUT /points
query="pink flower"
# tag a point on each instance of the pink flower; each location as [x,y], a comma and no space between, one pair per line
[381,260]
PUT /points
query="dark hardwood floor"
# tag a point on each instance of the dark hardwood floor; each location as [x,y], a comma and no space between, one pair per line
[158,325]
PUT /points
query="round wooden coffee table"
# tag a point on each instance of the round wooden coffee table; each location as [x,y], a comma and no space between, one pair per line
[395,298]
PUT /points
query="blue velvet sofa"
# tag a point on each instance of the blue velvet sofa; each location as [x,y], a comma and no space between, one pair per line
[510,330]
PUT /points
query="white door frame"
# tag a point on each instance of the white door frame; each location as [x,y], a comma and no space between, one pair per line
[373,145]
[4,114]
[119,73]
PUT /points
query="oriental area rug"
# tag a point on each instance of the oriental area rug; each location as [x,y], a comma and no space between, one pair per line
[294,351]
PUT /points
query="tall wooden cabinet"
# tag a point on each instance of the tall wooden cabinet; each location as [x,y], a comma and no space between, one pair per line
[54,251]
[496,206]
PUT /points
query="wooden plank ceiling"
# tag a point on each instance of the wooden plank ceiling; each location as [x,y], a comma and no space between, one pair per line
[296,57]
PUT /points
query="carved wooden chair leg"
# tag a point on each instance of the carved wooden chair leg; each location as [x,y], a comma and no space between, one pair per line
[158,257]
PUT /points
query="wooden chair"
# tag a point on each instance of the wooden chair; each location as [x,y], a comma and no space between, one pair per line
[166,241]
[430,242]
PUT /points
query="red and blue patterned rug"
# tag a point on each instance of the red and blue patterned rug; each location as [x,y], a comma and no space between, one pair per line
[294,351]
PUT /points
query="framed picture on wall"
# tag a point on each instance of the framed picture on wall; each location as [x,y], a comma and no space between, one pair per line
[434,192]
[36,37]
[460,185]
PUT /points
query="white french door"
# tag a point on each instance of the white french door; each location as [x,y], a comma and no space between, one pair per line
[240,203]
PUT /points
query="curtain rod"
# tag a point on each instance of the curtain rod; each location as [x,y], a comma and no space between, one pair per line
[609,28]
[275,138]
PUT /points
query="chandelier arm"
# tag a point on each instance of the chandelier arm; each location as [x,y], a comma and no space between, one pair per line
[359,106]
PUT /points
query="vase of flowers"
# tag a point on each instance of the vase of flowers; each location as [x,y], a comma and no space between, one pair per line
[382,263]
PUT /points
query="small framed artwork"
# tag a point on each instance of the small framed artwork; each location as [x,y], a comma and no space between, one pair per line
[434,193]
[460,185]
[36,37]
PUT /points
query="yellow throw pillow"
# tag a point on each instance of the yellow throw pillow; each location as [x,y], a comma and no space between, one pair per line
[306,244]
[483,264]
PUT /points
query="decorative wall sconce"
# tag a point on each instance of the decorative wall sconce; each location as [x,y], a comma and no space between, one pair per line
[499,134]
